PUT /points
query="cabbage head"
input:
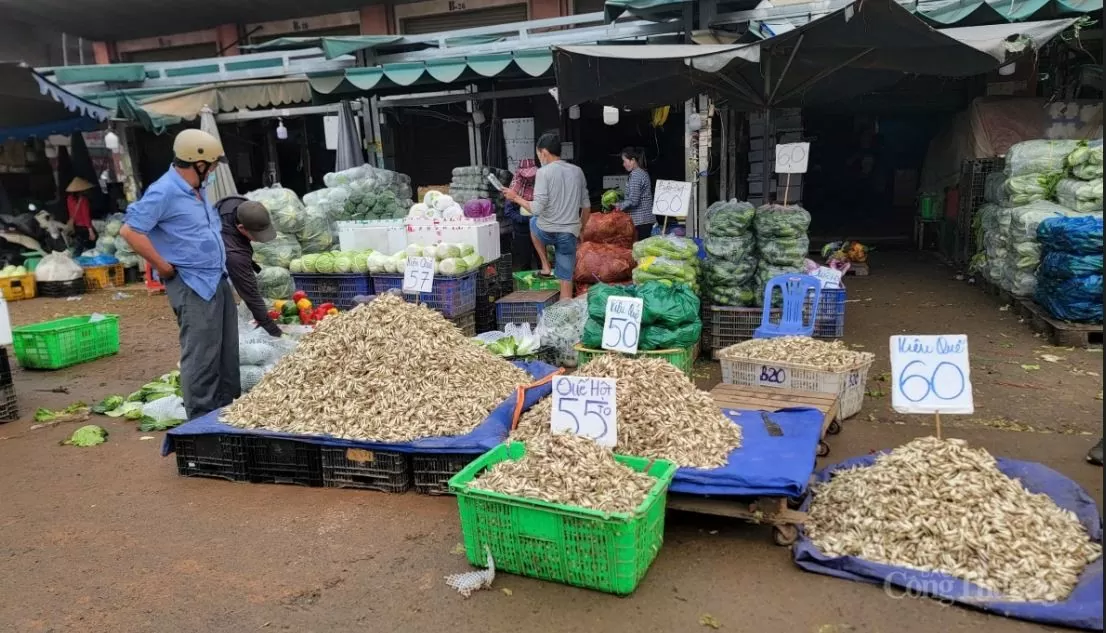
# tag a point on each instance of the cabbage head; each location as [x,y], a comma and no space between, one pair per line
[296,265]
[343,263]
[360,262]
[275,283]
[324,263]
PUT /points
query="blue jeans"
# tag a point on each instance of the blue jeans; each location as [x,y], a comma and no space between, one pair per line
[564,250]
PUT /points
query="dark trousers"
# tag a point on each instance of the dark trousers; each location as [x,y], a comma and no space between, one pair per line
[82,239]
[208,347]
[644,231]
[523,255]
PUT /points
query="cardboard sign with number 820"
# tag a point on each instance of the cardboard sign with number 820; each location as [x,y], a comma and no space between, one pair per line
[418,277]
[622,324]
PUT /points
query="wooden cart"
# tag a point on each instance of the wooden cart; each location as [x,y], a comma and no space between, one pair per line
[774,398]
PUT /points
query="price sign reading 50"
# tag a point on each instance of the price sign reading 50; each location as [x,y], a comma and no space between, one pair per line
[931,374]
[622,324]
[586,407]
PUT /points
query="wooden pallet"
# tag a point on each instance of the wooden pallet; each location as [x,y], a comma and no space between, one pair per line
[772,511]
[774,398]
[1059,333]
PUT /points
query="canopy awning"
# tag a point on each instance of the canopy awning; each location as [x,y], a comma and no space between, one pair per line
[331,46]
[99,72]
[32,106]
[643,8]
[863,46]
[527,63]
[228,97]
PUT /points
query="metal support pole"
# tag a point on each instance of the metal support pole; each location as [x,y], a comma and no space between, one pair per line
[476,149]
[378,139]
[698,210]
[769,132]
[367,138]
[724,162]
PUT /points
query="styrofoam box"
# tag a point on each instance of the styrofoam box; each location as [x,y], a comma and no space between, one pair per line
[484,236]
[385,236]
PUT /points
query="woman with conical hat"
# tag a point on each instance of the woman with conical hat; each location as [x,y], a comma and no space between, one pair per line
[80,213]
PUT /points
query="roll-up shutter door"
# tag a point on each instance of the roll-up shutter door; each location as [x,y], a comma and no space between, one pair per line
[463,19]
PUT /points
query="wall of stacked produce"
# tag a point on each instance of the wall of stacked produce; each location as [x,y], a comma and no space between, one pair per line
[1069,281]
[782,243]
[668,259]
[405,373]
[604,253]
[1042,179]
[731,254]
[471,183]
[938,505]
[661,414]
[669,318]
[108,241]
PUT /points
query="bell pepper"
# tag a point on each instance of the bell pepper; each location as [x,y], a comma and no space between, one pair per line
[306,317]
[274,315]
[278,305]
[325,307]
[297,295]
[303,304]
[332,311]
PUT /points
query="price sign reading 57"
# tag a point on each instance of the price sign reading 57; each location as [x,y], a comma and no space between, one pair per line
[586,407]
[622,324]
[418,277]
[931,374]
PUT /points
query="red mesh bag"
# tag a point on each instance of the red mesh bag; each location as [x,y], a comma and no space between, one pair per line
[616,228]
[603,262]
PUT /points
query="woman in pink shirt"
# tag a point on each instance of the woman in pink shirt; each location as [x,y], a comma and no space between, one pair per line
[80,214]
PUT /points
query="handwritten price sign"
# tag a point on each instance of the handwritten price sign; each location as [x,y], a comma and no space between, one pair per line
[769,376]
[672,198]
[931,374]
[586,407]
[622,324]
[792,158]
[418,277]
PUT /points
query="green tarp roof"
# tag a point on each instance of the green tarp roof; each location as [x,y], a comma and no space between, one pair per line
[332,46]
[532,63]
[99,72]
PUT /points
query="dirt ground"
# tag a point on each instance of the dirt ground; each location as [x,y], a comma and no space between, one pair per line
[111,539]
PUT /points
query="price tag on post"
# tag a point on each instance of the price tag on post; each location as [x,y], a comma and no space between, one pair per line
[771,376]
[792,158]
[586,407]
[622,324]
[931,374]
[418,277]
[672,198]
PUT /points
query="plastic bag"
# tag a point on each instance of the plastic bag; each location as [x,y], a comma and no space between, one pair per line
[1058,265]
[561,327]
[654,337]
[681,270]
[1078,235]
[607,263]
[614,228]
[278,252]
[58,267]
[165,410]
[249,376]
[284,206]
[1075,299]
[597,298]
[730,218]
[274,282]
[668,246]
[784,252]
[735,296]
[1031,187]
[722,272]
[779,221]
[592,338]
[317,235]
[1085,161]
[1038,156]
[732,249]
[1080,195]
[667,305]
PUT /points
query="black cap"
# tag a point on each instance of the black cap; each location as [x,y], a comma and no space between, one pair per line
[254,217]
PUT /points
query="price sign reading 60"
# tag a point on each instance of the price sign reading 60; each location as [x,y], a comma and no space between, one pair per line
[931,374]
[586,407]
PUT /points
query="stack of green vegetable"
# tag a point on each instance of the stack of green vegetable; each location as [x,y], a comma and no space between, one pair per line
[449,259]
[782,243]
[669,318]
[280,251]
[275,282]
[1081,196]
[1033,168]
[1023,249]
[157,406]
[335,262]
[668,259]
[1085,161]
[471,183]
[610,199]
[284,207]
[731,258]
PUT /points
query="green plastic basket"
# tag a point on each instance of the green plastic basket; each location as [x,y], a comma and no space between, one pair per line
[682,357]
[529,280]
[65,342]
[565,544]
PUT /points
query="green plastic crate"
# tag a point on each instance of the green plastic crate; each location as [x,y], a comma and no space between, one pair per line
[529,280]
[565,544]
[65,342]
[682,357]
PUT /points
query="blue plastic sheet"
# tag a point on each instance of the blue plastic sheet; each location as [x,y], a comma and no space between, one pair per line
[490,433]
[1061,265]
[1079,235]
[764,465]
[1082,609]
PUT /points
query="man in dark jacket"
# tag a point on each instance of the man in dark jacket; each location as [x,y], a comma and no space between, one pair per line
[245,221]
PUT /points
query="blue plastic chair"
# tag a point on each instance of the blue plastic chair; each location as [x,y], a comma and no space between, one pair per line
[795,289]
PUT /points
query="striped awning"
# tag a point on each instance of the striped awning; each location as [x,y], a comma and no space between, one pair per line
[524,63]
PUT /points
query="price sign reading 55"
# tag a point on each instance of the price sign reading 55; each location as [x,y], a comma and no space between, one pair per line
[586,407]
[931,374]
[622,324]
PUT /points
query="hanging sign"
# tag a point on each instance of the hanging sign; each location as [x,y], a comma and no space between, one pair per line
[931,374]
[672,198]
[792,158]
[586,407]
[418,276]
[622,324]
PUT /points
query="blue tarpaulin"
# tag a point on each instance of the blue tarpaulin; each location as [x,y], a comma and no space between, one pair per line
[765,465]
[1082,609]
[491,432]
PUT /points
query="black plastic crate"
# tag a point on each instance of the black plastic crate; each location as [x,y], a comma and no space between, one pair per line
[9,405]
[276,461]
[339,289]
[60,288]
[131,275]
[218,456]
[466,323]
[504,271]
[487,282]
[5,368]
[365,469]
[433,471]
[523,306]
[973,176]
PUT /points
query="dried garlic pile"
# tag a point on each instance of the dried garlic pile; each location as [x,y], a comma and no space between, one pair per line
[937,505]
[386,371]
[798,350]
[570,470]
[661,414]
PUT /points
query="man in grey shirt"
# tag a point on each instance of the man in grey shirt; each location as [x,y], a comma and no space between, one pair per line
[560,207]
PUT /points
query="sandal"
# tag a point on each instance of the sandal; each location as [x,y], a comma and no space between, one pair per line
[541,275]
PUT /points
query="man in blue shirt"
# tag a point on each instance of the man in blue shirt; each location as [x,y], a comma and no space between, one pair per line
[178,233]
